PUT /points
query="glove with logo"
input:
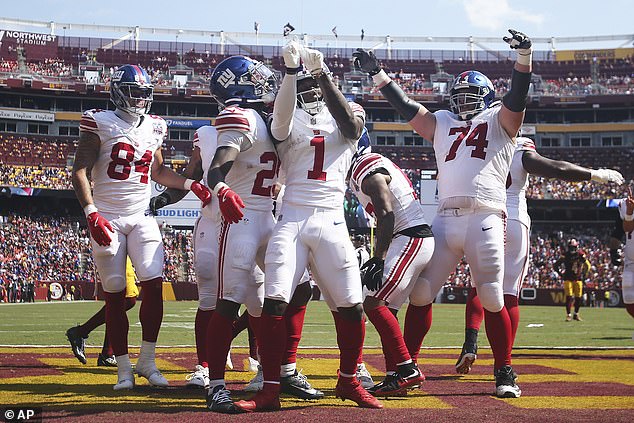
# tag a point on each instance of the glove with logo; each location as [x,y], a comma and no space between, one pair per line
[366,61]
[99,227]
[202,192]
[607,175]
[158,202]
[230,203]
[313,60]
[372,274]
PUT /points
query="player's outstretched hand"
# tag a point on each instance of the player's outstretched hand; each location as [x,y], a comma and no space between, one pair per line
[607,175]
[158,202]
[99,227]
[518,40]
[291,53]
[313,60]
[202,192]
[230,204]
[372,274]
[366,61]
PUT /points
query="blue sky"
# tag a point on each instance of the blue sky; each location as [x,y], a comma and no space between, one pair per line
[491,18]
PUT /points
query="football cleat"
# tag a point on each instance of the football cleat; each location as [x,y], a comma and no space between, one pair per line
[125,380]
[219,400]
[350,388]
[364,377]
[106,360]
[568,318]
[505,386]
[268,399]
[391,380]
[257,383]
[77,344]
[467,357]
[577,317]
[151,373]
[198,379]
[297,385]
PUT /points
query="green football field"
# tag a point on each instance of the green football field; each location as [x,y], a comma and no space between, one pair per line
[46,323]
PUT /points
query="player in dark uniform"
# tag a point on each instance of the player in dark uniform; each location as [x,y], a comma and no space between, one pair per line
[576,267]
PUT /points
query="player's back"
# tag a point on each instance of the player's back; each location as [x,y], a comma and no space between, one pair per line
[408,211]
[206,139]
[254,170]
[473,157]
[316,158]
[121,175]
[517,182]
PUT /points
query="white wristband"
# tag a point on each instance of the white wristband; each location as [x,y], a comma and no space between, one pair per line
[90,209]
[188,184]
[381,78]
[524,57]
[628,217]
[218,187]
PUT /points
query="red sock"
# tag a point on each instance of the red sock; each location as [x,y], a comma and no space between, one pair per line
[98,319]
[203,317]
[117,322]
[511,305]
[219,332]
[350,336]
[630,309]
[417,323]
[272,344]
[498,326]
[240,324]
[390,333]
[474,312]
[390,363]
[294,317]
[151,310]
[107,348]
[253,329]
[360,358]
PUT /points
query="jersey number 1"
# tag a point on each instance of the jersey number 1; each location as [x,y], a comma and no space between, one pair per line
[317,172]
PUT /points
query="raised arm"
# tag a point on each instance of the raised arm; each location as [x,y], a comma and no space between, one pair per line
[286,98]
[514,102]
[417,115]
[350,125]
[628,218]
[538,165]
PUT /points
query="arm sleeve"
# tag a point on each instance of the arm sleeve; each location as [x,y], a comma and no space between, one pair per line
[284,108]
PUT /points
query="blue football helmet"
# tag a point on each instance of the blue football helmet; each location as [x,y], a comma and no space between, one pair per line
[242,81]
[471,93]
[131,89]
[363,144]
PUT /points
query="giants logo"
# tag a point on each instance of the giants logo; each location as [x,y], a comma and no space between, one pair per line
[226,78]
[117,75]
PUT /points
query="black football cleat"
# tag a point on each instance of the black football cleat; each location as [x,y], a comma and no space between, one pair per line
[297,385]
[77,344]
[219,400]
[505,386]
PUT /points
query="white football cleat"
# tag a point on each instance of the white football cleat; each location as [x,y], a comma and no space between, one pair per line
[229,363]
[125,381]
[151,373]
[198,379]
[257,383]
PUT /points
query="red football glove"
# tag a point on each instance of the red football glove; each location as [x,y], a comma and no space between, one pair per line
[97,225]
[202,192]
[230,204]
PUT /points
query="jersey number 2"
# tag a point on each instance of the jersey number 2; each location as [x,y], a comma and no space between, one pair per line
[477,138]
[258,184]
[141,166]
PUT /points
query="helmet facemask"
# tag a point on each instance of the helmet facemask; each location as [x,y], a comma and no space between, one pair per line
[309,96]
[134,98]
[468,100]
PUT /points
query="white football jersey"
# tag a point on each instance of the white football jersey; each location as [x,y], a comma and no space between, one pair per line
[255,169]
[628,250]
[473,157]
[206,139]
[408,211]
[121,175]
[316,158]
[517,182]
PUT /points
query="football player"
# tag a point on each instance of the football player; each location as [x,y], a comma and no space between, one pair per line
[576,268]
[474,144]
[78,334]
[121,151]
[526,161]
[626,211]
[317,130]
[404,246]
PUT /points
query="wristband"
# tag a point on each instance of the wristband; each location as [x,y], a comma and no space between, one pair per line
[218,187]
[188,184]
[90,209]
[628,217]
[293,71]
[524,57]
[381,78]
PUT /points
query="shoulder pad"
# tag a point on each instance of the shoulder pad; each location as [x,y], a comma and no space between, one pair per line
[233,118]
